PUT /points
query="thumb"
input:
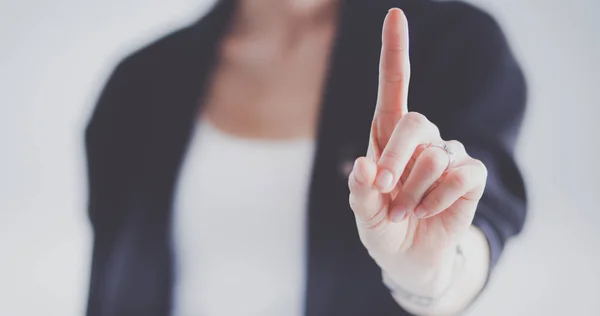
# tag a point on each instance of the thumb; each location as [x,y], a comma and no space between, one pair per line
[377,233]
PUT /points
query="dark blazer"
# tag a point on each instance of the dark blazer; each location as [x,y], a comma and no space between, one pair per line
[465,80]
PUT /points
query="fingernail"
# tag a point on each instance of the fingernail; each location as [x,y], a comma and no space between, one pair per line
[384,180]
[398,216]
[420,213]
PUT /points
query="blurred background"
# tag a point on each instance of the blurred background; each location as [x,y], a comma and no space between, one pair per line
[55,56]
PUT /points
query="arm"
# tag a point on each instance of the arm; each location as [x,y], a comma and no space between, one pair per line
[469,271]
[487,102]
[478,99]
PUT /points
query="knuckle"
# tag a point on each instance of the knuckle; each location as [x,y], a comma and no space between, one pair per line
[395,50]
[459,180]
[429,164]
[482,167]
[407,199]
[456,146]
[420,122]
[435,130]
[394,77]
[390,155]
[355,203]
[352,201]
[374,220]
[415,119]
[432,202]
[351,182]
[431,161]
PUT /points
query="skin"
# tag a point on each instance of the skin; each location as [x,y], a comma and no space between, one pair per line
[412,207]
[253,93]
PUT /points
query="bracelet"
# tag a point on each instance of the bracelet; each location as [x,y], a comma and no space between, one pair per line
[398,291]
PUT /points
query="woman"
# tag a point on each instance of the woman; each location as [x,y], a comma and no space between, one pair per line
[220,159]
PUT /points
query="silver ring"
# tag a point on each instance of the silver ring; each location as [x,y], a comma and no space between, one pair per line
[444,146]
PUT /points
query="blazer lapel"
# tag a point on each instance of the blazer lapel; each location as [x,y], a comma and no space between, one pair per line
[172,107]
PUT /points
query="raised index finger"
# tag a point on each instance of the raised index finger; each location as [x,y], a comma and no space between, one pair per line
[394,70]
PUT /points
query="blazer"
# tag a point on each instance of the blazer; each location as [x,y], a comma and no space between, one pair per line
[464,79]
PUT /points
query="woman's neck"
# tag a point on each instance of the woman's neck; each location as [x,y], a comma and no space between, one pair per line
[272,68]
[282,16]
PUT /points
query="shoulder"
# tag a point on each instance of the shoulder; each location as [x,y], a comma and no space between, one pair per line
[178,50]
[182,48]
[137,72]
[155,57]
[166,62]
[166,68]
[136,79]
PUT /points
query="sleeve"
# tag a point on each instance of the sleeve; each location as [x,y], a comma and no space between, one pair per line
[110,141]
[476,94]
[111,138]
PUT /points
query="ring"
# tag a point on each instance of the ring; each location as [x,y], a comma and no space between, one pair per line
[444,146]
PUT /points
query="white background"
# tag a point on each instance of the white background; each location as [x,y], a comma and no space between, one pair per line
[54,56]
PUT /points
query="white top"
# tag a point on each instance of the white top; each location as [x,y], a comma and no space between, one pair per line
[239,225]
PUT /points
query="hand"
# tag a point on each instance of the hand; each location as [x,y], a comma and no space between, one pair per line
[412,198]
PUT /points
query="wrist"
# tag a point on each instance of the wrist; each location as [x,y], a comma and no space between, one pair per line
[466,281]
[427,282]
